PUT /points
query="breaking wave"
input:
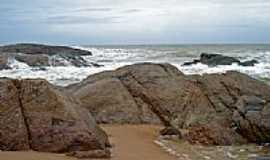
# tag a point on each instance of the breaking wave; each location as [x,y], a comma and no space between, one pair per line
[112,57]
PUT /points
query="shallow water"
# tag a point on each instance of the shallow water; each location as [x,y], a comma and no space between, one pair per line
[113,57]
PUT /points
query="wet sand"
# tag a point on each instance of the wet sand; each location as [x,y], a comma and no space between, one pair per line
[130,142]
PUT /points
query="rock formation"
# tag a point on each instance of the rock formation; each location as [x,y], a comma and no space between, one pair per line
[42,49]
[217,59]
[35,115]
[217,109]
[36,55]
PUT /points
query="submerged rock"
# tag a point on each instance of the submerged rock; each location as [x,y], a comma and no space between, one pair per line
[217,59]
[210,105]
[35,115]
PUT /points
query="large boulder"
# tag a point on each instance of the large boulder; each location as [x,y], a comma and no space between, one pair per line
[111,102]
[217,59]
[35,115]
[229,104]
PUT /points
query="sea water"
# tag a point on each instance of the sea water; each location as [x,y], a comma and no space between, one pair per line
[115,56]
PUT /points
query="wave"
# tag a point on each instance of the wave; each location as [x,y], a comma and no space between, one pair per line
[115,57]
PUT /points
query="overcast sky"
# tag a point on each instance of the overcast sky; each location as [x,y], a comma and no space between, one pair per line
[135,21]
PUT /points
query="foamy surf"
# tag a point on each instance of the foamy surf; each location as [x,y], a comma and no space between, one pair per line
[113,57]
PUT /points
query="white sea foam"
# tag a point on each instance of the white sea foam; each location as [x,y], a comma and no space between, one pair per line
[115,57]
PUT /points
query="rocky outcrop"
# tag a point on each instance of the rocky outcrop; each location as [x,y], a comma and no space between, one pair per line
[37,49]
[217,59]
[111,102]
[4,62]
[36,55]
[35,115]
[217,109]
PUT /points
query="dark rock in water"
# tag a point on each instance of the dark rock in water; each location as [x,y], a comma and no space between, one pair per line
[36,55]
[196,61]
[33,60]
[225,109]
[96,65]
[249,63]
[35,115]
[170,131]
[38,49]
[217,59]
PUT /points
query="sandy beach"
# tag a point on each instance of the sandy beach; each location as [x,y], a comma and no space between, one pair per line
[130,142]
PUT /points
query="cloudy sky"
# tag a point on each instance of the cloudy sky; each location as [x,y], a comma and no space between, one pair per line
[134,21]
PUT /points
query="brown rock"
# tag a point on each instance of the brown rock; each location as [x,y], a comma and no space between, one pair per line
[182,102]
[110,102]
[3,62]
[91,154]
[53,121]
[13,132]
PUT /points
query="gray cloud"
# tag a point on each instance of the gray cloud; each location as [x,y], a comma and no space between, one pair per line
[142,20]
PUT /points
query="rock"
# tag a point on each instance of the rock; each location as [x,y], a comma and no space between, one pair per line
[13,131]
[45,119]
[249,63]
[217,59]
[37,55]
[110,102]
[4,62]
[214,133]
[192,103]
[170,131]
[37,49]
[33,60]
[196,61]
[91,154]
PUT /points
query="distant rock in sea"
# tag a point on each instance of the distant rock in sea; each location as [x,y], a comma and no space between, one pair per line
[37,55]
[217,59]
[215,109]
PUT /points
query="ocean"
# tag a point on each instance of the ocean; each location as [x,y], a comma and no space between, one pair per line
[115,56]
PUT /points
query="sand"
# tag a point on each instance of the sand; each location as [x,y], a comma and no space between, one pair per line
[130,142]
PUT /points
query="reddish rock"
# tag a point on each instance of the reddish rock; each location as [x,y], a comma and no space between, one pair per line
[47,120]
[234,103]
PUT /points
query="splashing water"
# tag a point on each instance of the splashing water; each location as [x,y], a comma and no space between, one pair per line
[113,57]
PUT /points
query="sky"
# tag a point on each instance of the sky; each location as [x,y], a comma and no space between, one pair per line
[134,21]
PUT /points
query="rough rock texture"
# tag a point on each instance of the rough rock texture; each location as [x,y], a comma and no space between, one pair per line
[232,104]
[13,131]
[35,115]
[111,102]
[217,59]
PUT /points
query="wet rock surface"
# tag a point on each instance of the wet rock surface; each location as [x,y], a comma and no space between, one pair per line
[217,59]
[35,115]
[213,105]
